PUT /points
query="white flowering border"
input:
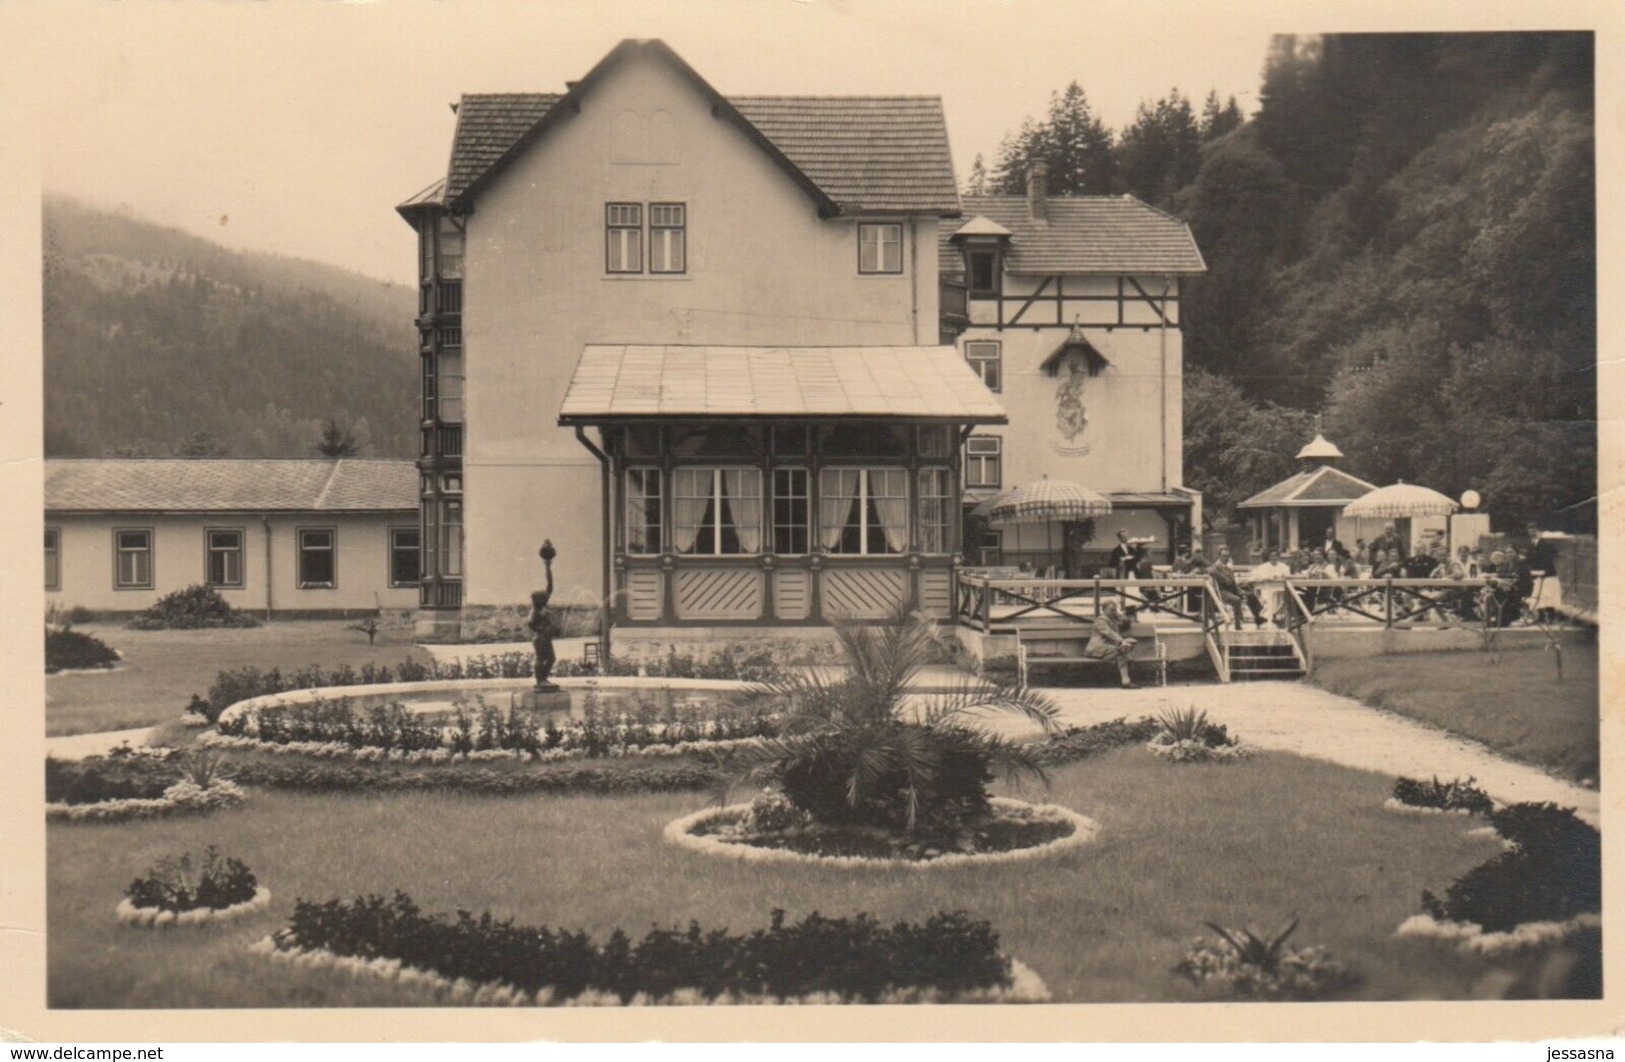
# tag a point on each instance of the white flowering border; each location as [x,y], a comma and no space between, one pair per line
[1190,751]
[158,918]
[681,833]
[182,796]
[338,750]
[1470,936]
[1025,986]
[1399,807]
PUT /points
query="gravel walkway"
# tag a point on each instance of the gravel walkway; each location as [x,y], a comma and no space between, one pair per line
[1310,721]
[79,746]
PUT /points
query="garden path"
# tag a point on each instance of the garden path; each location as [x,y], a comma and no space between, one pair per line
[1313,722]
[79,746]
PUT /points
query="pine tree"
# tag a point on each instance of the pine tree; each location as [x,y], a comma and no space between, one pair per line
[1159,152]
[1217,120]
[1072,142]
[978,182]
[337,442]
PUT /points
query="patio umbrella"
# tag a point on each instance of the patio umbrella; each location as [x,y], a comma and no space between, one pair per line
[1400,500]
[1045,500]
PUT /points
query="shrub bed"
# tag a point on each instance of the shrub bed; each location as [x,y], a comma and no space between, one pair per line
[771,829]
[481,731]
[177,891]
[839,960]
[1552,873]
[1081,742]
[195,607]
[328,776]
[1187,737]
[1243,963]
[70,650]
[136,783]
[1457,795]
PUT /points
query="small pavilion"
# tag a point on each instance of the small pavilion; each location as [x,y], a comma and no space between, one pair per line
[1299,510]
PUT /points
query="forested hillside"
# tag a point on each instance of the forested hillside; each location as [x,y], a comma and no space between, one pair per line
[1402,238]
[162,344]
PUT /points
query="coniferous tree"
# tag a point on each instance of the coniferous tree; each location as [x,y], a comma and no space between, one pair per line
[337,442]
[978,183]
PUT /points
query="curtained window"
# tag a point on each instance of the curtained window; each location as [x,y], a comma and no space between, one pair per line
[717,511]
[643,521]
[863,510]
[934,510]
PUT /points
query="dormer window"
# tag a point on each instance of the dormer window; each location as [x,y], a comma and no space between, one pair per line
[982,271]
[880,248]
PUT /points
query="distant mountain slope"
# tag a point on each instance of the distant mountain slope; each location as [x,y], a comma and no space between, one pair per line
[160,343]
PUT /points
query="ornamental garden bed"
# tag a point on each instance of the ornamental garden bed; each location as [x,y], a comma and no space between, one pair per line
[181,891]
[769,831]
[1251,843]
[136,784]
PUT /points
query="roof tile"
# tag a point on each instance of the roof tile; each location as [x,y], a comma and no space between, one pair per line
[216,485]
[1083,234]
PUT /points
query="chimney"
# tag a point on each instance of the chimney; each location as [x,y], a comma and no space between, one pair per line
[1037,188]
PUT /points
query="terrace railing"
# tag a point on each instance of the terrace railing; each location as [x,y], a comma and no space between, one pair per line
[1394,603]
[1213,627]
[981,600]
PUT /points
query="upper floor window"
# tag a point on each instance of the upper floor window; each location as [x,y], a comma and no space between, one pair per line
[983,461]
[880,248]
[982,269]
[53,559]
[668,237]
[623,235]
[986,357]
[132,560]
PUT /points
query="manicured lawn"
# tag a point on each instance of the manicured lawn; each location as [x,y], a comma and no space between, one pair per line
[1254,841]
[1516,706]
[162,669]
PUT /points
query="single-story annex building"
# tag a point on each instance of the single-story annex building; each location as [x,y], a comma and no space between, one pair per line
[284,537]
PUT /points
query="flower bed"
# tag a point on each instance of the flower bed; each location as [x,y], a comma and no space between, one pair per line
[1017,832]
[155,917]
[1244,964]
[331,776]
[183,796]
[1474,938]
[1435,797]
[1081,742]
[397,733]
[1187,737]
[178,891]
[948,958]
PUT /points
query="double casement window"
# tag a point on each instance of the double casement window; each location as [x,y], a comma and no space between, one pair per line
[318,558]
[986,357]
[624,237]
[132,559]
[53,559]
[716,511]
[863,510]
[880,247]
[403,556]
[983,461]
[223,563]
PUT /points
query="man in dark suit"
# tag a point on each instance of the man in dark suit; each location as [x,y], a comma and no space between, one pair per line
[1125,558]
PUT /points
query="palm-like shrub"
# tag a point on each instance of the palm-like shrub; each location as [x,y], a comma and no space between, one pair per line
[860,749]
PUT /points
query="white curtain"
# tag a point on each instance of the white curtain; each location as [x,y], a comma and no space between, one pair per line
[743,489]
[692,488]
[838,496]
[889,491]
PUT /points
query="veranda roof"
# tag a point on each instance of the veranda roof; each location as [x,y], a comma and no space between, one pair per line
[1325,486]
[927,383]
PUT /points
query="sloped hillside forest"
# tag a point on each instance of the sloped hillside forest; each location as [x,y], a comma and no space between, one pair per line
[161,344]
[1401,239]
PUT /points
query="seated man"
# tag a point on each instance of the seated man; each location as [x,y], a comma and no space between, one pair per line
[1109,640]
[1385,565]
[1319,567]
[1266,580]
[1502,605]
[1231,592]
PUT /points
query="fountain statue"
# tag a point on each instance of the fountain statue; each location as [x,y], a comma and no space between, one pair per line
[541,624]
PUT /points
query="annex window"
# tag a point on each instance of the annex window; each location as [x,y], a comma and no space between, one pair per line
[403,556]
[935,510]
[792,510]
[987,358]
[644,526]
[53,559]
[318,567]
[224,560]
[450,256]
[132,559]
[668,238]
[717,511]
[863,510]
[983,272]
[984,457]
[623,233]
[451,537]
[880,248]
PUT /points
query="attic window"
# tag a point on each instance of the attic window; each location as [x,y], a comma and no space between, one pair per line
[983,272]
[880,248]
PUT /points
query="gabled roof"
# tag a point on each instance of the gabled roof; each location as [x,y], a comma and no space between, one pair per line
[613,382]
[225,485]
[852,154]
[1083,234]
[1323,486]
[981,226]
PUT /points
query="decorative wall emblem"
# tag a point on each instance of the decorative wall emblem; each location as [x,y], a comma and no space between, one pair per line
[1070,416]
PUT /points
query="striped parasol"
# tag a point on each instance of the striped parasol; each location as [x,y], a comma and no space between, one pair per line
[1045,500]
[1399,500]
